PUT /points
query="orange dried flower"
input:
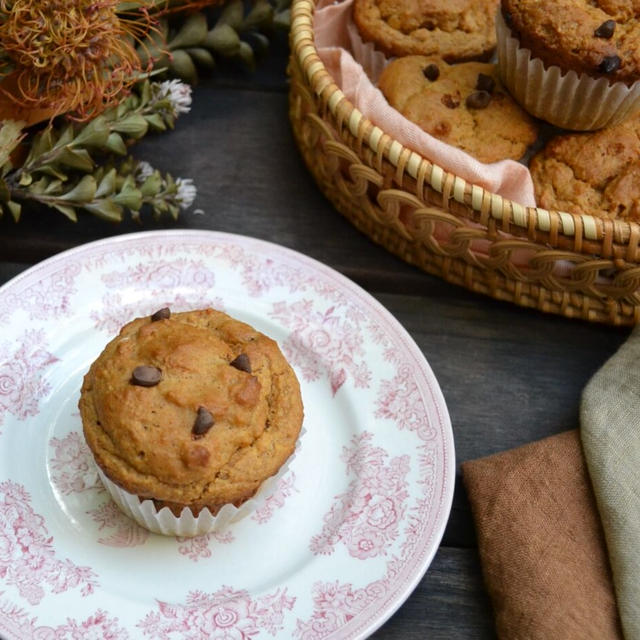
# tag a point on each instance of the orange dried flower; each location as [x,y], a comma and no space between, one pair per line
[73,56]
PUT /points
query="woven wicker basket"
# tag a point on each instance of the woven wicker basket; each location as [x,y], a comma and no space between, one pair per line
[577,266]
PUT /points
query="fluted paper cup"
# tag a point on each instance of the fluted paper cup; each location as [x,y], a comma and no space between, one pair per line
[565,99]
[164,522]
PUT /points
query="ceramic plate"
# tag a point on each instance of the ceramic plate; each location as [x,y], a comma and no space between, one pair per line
[332,553]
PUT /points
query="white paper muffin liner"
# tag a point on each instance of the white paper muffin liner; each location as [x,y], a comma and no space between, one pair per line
[164,522]
[571,101]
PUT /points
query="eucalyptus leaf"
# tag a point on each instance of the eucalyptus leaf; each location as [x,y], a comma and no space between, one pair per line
[223,39]
[232,14]
[182,66]
[246,54]
[133,125]
[42,143]
[68,211]
[131,199]
[65,137]
[54,187]
[107,184]
[94,134]
[25,179]
[38,187]
[261,13]
[83,192]
[191,34]
[116,144]
[76,159]
[156,122]
[15,208]
[105,209]
[151,185]
[52,171]
[202,57]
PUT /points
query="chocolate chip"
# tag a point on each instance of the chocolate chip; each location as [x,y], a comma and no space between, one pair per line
[431,72]
[485,83]
[609,64]
[242,363]
[452,102]
[204,422]
[161,314]
[605,30]
[145,376]
[478,100]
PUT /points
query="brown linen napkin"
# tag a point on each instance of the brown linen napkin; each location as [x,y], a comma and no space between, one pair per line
[541,544]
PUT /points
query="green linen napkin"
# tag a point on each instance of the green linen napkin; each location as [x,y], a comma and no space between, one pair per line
[610,433]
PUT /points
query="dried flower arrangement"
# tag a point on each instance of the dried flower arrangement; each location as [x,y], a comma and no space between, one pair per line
[81,80]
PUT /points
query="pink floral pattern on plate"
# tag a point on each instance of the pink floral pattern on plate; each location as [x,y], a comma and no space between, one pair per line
[114,313]
[323,343]
[400,401]
[47,298]
[336,604]
[396,472]
[164,275]
[226,614]
[27,557]
[179,284]
[72,467]
[21,374]
[367,516]
[286,488]
[17,623]
[200,547]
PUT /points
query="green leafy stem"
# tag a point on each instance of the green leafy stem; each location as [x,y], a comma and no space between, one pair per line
[72,167]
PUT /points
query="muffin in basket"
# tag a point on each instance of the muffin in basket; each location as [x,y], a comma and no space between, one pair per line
[596,173]
[463,105]
[454,30]
[573,63]
[193,411]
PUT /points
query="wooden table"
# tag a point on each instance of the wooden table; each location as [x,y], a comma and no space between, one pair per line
[509,375]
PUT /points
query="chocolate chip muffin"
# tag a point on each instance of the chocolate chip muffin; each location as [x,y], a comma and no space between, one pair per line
[464,105]
[574,63]
[191,409]
[594,173]
[598,37]
[455,30]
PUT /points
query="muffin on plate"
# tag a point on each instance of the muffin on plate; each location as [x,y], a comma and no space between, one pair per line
[192,411]
[597,173]
[463,105]
[574,63]
[455,30]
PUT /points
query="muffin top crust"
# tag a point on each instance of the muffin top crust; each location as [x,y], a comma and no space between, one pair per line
[194,409]
[454,30]
[464,105]
[598,37]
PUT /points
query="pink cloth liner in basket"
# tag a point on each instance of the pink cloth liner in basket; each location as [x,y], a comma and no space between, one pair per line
[354,64]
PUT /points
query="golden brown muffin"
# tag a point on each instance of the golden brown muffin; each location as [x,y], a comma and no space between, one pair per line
[596,37]
[595,173]
[464,105]
[214,410]
[455,30]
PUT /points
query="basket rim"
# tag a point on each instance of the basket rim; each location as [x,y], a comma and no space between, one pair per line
[578,225]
